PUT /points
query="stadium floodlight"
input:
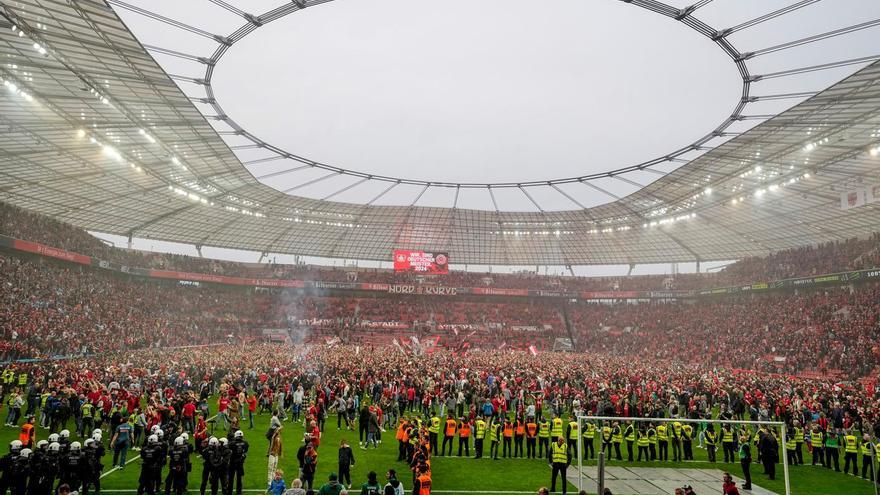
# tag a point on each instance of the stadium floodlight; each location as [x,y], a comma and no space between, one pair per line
[582,420]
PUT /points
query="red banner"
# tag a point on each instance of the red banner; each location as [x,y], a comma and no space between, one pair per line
[421,262]
[36,248]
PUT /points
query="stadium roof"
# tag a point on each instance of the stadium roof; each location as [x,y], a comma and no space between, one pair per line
[97,134]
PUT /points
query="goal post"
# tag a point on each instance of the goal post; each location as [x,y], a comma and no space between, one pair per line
[599,421]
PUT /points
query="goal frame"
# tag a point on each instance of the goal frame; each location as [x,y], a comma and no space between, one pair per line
[581,420]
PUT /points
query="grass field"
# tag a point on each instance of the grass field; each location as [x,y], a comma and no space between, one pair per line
[450,475]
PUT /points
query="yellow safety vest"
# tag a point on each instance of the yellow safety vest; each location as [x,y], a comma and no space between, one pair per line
[630,434]
[661,433]
[643,439]
[687,431]
[816,439]
[544,429]
[799,435]
[726,435]
[866,449]
[852,443]
[711,436]
[606,434]
[652,436]
[435,425]
[573,430]
[556,431]
[790,444]
[559,453]
[480,429]
[617,435]
[590,431]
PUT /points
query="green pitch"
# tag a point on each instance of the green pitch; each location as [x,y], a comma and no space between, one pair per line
[450,475]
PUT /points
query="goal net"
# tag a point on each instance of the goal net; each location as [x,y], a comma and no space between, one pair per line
[591,473]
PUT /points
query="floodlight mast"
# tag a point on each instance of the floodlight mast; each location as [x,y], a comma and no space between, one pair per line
[583,419]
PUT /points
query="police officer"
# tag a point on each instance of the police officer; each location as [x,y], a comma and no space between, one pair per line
[207,455]
[560,458]
[21,472]
[37,462]
[6,461]
[179,466]
[97,458]
[64,440]
[239,449]
[50,468]
[72,466]
[218,462]
[150,458]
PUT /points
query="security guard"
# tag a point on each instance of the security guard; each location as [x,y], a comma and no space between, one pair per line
[556,430]
[508,438]
[531,437]
[629,434]
[676,441]
[572,434]
[606,440]
[663,442]
[652,441]
[617,438]
[711,442]
[799,442]
[495,432]
[433,433]
[464,437]
[643,443]
[851,450]
[867,456]
[519,435]
[543,436]
[817,443]
[448,434]
[179,466]
[479,435]
[589,438]
[560,458]
[727,443]
[790,447]
[687,437]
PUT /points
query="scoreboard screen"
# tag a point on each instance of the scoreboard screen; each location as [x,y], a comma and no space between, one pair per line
[421,262]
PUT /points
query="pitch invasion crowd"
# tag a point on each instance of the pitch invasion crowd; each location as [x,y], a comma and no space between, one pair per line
[507,404]
[853,254]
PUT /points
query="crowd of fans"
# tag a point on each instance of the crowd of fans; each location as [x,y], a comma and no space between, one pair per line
[831,257]
[55,309]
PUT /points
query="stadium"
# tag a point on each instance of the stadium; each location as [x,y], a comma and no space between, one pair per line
[334,247]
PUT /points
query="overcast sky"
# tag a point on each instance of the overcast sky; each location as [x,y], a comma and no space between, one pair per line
[491,90]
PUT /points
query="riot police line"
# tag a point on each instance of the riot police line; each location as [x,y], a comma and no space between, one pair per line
[57,464]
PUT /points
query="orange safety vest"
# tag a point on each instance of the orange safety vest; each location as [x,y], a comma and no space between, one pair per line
[401,433]
[520,428]
[450,427]
[532,429]
[464,430]
[27,430]
[424,484]
[508,429]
